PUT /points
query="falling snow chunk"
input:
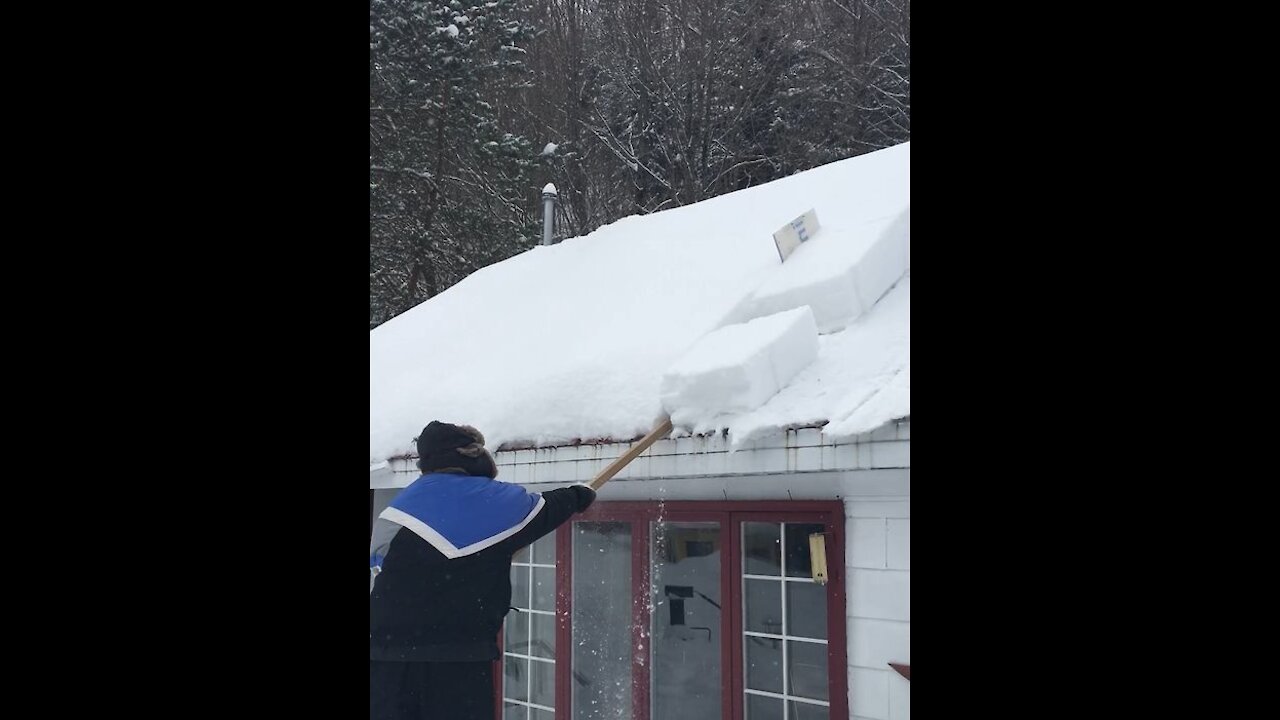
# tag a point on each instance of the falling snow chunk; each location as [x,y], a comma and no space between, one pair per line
[550,149]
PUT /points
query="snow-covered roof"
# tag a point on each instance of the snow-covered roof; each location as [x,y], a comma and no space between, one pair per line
[570,342]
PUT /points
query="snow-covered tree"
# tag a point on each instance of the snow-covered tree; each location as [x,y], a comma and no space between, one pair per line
[449,184]
[628,106]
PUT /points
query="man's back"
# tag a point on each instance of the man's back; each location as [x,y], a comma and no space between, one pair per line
[440,577]
[443,582]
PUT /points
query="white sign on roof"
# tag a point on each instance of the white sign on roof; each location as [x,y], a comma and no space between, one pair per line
[791,235]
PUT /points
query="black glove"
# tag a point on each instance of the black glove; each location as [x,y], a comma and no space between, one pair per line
[586,496]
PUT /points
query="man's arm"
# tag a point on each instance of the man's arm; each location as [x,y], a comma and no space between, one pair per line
[558,506]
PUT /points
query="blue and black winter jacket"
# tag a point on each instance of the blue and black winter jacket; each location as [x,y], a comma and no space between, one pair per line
[440,563]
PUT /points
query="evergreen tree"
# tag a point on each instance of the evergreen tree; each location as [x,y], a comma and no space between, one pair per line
[449,187]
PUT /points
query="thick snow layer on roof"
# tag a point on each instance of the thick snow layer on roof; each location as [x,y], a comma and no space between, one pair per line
[571,341]
[860,380]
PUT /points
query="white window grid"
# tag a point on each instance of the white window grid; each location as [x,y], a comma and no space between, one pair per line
[785,639]
[525,605]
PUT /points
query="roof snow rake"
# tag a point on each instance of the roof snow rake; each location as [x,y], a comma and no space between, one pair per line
[658,432]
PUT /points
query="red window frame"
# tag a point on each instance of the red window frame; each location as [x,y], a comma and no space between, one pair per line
[731,515]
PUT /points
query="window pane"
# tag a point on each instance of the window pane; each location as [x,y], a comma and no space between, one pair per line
[763,708]
[808,670]
[807,610]
[602,620]
[516,633]
[519,586]
[764,605]
[805,711]
[544,683]
[543,642]
[383,498]
[761,549]
[764,664]
[544,550]
[515,673]
[536,714]
[686,621]
[798,564]
[544,589]
[511,711]
[521,556]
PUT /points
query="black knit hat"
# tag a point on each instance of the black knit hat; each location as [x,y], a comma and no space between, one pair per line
[443,446]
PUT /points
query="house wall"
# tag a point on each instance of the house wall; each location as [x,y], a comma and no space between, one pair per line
[799,464]
[870,474]
[878,605]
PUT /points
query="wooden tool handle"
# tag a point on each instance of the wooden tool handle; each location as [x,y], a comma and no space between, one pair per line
[658,432]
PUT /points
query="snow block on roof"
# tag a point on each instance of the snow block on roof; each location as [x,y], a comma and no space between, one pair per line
[840,273]
[738,367]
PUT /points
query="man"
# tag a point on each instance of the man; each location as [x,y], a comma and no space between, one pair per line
[440,577]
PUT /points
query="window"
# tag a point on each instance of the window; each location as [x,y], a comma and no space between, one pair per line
[529,635]
[785,635]
[685,611]
[378,501]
